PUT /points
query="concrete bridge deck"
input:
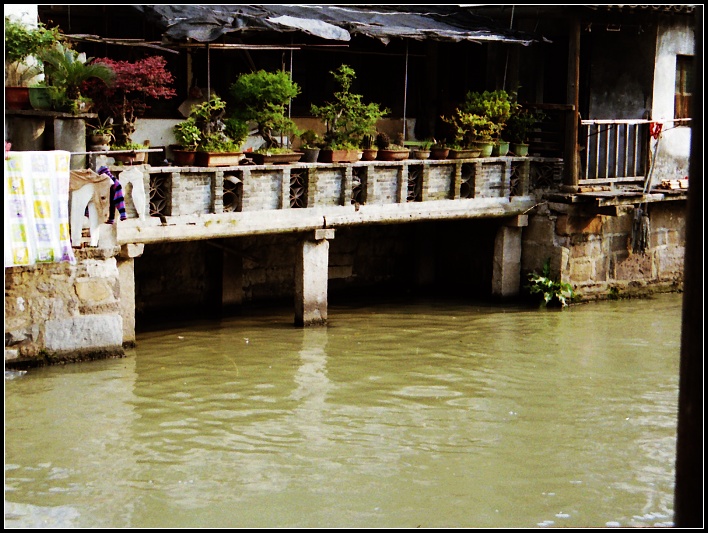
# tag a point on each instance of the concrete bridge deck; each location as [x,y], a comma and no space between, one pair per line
[194,203]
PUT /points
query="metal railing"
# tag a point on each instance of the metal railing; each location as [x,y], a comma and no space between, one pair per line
[615,150]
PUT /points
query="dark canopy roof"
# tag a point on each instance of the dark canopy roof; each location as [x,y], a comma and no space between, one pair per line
[207,23]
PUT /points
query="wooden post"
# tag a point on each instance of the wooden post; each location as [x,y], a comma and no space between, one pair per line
[570,154]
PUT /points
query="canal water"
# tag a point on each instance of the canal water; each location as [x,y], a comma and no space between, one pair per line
[415,414]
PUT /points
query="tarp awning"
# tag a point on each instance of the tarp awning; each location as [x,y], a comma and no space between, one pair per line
[207,23]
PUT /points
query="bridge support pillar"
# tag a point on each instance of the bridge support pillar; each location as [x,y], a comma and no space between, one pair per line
[506,268]
[311,278]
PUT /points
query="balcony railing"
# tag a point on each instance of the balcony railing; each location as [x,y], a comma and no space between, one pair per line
[614,150]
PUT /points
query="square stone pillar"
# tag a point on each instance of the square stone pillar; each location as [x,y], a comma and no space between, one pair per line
[311,276]
[506,267]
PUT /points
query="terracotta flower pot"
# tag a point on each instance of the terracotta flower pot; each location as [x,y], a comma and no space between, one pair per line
[369,154]
[439,153]
[184,158]
[393,155]
[17,98]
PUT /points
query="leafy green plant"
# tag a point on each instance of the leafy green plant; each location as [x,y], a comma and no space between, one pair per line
[66,70]
[520,124]
[482,116]
[262,97]
[21,43]
[187,134]
[130,145]
[217,133]
[549,289]
[311,139]
[347,118]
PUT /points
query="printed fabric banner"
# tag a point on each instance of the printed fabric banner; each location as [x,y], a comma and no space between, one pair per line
[37,208]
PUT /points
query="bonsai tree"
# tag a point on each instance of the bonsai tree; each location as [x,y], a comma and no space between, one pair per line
[481,117]
[347,118]
[66,70]
[262,97]
[470,128]
[136,84]
[311,140]
[215,132]
[23,45]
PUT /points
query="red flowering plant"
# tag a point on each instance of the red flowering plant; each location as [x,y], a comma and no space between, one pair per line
[136,84]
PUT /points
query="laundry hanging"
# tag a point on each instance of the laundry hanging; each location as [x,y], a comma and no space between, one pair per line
[36,202]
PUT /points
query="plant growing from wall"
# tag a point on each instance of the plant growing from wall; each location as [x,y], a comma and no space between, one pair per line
[263,97]
[136,85]
[346,117]
[549,290]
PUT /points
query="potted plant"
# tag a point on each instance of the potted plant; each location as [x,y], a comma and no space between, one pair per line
[311,143]
[188,136]
[369,148]
[262,97]
[391,151]
[347,119]
[23,44]
[422,151]
[439,149]
[474,135]
[480,119]
[519,127]
[100,134]
[135,85]
[220,137]
[65,71]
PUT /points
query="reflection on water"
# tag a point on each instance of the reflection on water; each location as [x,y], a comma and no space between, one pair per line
[395,415]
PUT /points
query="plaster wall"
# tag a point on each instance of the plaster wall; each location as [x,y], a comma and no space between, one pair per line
[674,149]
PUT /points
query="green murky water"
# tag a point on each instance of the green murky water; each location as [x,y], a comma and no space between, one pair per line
[394,415]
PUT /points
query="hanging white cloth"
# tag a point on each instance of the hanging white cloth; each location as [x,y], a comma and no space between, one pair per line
[36,202]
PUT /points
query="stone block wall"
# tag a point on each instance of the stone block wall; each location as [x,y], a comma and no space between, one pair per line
[62,312]
[595,254]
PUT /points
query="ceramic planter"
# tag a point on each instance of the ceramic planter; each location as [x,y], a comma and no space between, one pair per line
[519,149]
[464,154]
[17,98]
[439,153]
[369,154]
[340,156]
[218,159]
[393,155]
[40,100]
[421,154]
[131,158]
[485,147]
[274,159]
[184,158]
[501,148]
[310,155]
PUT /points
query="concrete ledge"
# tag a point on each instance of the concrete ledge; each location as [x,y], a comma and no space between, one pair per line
[222,225]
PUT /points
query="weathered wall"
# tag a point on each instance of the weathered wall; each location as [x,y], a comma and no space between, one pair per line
[595,253]
[57,312]
[672,158]
[196,278]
